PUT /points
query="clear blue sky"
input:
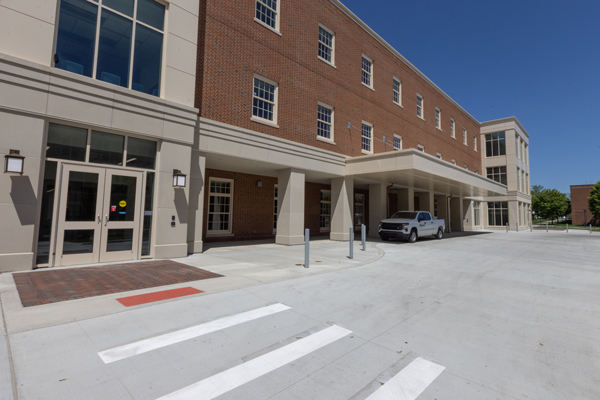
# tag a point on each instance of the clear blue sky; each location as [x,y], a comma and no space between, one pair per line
[536,60]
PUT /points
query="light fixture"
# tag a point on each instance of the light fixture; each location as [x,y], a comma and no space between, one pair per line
[14,162]
[178,179]
[259,183]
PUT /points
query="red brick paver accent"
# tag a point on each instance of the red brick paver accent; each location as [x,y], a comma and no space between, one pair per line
[157,296]
[44,287]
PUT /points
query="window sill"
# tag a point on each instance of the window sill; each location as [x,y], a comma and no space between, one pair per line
[267,26]
[208,234]
[453,137]
[365,85]
[420,117]
[326,62]
[366,152]
[439,129]
[399,105]
[322,139]
[264,122]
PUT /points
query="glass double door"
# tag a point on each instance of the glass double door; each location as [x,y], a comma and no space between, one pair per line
[98,215]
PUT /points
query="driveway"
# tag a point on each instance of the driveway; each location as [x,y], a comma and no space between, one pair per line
[487,316]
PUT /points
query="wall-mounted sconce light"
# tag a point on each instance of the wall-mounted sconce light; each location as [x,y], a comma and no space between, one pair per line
[178,179]
[259,183]
[14,162]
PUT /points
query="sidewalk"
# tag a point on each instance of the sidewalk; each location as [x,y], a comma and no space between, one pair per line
[242,265]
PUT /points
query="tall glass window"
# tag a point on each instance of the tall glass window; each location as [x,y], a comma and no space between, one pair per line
[325,222]
[497,213]
[495,144]
[476,213]
[324,122]
[498,174]
[129,50]
[367,137]
[326,44]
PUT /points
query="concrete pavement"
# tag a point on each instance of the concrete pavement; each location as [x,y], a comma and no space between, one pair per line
[507,316]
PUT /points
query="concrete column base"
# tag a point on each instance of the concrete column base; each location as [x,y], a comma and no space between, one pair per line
[340,236]
[170,251]
[289,240]
[16,262]
[195,247]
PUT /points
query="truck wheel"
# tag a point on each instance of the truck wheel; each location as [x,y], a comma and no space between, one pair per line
[439,234]
[412,237]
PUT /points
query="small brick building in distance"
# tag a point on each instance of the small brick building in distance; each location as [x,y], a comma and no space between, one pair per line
[580,213]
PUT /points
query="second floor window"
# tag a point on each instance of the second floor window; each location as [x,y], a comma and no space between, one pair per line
[452,129]
[367,71]
[497,174]
[397,142]
[116,47]
[326,44]
[465,136]
[367,137]
[325,122]
[419,106]
[266,12]
[475,142]
[495,144]
[264,100]
[438,118]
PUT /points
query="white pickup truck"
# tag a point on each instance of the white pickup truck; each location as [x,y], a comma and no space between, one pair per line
[410,225]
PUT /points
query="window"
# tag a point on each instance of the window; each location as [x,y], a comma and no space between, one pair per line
[465,136]
[264,101]
[219,205]
[367,71]
[266,13]
[497,213]
[275,198]
[475,142]
[359,209]
[326,44]
[438,155]
[397,142]
[420,147]
[518,180]
[497,174]
[419,106]
[452,129]
[495,144]
[325,121]
[517,147]
[527,183]
[438,118]
[367,137]
[527,154]
[523,182]
[106,42]
[325,223]
[476,213]
[397,87]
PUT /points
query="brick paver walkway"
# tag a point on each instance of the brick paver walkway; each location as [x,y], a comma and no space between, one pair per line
[44,287]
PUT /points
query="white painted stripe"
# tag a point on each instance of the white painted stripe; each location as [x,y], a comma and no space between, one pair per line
[409,383]
[232,378]
[146,345]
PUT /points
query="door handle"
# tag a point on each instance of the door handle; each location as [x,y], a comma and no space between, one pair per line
[105,219]
[99,219]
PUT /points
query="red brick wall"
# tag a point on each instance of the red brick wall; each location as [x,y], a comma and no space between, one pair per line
[579,202]
[235,47]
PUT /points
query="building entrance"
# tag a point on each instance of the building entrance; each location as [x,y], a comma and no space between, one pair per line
[99,215]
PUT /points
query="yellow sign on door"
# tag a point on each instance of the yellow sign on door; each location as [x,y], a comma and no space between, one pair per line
[123,203]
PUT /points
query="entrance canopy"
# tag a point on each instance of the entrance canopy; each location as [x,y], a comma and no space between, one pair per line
[423,172]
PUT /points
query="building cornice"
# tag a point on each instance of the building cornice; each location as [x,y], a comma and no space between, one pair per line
[504,120]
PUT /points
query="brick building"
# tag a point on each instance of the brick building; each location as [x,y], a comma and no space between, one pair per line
[282,115]
[580,213]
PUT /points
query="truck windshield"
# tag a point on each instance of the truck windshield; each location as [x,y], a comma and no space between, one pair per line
[405,215]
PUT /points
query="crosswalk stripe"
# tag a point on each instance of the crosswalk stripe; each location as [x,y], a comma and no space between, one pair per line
[153,343]
[232,378]
[409,383]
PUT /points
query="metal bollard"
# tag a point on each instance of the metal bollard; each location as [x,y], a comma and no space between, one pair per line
[567,228]
[363,236]
[507,227]
[546,227]
[351,243]
[590,228]
[306,242]
[531,226]
[517,227]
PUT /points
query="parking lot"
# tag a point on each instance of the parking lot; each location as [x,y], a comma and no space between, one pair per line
[482,316]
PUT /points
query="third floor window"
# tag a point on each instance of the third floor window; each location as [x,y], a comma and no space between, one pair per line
[495,144]
[266,12]
[119,42]
[326,44]
[367,71]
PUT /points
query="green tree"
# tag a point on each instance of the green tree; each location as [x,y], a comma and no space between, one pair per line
[536,189]
[536,208]
[594,201]
[551,204]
